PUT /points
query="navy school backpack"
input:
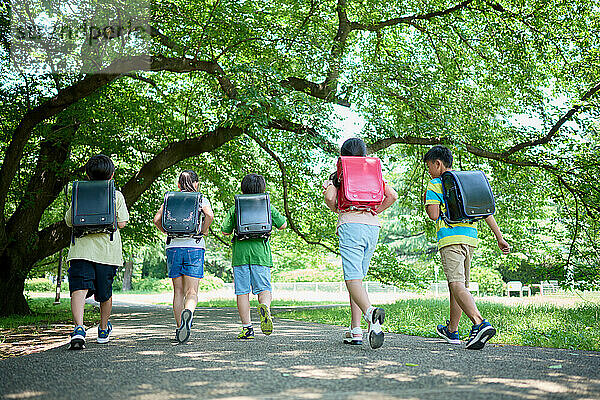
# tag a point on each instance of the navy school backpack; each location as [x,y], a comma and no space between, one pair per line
[253,216]
[182,215]
[467,195]
[93,208]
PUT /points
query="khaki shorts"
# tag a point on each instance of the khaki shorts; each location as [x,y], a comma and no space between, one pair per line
[456,261]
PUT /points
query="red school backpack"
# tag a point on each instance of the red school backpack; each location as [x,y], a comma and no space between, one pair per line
[361,183]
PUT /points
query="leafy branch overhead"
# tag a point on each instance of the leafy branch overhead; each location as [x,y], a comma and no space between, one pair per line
[230,87]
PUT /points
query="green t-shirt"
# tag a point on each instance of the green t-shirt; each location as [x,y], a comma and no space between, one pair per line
[251,251]
[97,247]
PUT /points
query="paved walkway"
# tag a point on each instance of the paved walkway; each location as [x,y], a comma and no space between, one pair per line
[300,360]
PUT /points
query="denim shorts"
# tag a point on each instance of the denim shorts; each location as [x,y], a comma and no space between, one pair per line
[95,277]
[188,261]
[357,245]
[247,276]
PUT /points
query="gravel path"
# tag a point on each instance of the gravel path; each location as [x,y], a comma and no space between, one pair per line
[300,360]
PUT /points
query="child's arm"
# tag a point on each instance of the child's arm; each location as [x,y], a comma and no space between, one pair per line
[282,227]
[158,219]
[504,246]
[209,216]
[330,194]
[433,211]
[390,197]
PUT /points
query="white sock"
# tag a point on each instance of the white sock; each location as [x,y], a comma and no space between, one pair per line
[369,314]
[356,331]
[247,326]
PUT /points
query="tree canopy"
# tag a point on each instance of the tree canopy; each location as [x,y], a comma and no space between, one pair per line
[231,87]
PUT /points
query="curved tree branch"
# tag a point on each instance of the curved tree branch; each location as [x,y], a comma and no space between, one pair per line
[286,207]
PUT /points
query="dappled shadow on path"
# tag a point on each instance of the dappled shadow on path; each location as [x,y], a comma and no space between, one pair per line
[300,360]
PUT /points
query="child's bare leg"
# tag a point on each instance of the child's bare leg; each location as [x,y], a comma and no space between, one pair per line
[465,301]
[455,314]
[77,304]
[190,290]
[243,305]
[177,299]
[265,298]
[355,313]
[105,310]
[358,294]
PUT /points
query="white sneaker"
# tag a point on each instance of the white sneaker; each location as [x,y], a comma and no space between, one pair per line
[375,317]
[353,336]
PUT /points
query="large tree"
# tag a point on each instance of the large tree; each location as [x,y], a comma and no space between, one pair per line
[227,80]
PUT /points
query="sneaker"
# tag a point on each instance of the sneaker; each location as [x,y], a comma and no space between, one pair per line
[375,318]
[104,334]
[77,341]
[353,336]
[266,322]
[182,334]
[247,333]
[444,333]
[480,334]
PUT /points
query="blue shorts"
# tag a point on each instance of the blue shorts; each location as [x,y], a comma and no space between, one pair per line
[188,261]
[357,245]
[247,276]
[95,277]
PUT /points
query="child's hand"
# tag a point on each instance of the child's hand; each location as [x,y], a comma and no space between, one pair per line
[326,183]
[504,246]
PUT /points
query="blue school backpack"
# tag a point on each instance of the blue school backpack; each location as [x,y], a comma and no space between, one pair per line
[467,195]
[93,208]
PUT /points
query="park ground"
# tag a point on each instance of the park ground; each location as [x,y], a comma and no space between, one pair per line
[300,360]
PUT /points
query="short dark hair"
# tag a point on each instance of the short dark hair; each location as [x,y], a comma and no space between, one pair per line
[100,168]
[253,183]
[187,179]
[354,147]
[439,153]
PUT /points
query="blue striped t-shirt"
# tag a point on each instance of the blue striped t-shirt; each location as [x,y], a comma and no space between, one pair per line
[447,234]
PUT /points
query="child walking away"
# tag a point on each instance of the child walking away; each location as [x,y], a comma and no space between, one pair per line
[456,243]
[96,251]
[185,217]
[358,194]
[251,220]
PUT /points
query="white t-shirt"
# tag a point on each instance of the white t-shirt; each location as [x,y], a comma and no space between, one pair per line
[189,242]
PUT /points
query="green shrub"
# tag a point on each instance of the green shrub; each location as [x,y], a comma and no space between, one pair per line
[43,285]
[387,269]
[490,280]
[210,282]
[309,275]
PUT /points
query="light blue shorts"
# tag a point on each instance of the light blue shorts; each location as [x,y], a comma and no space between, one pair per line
[257,277]
[357,245]
[188,261]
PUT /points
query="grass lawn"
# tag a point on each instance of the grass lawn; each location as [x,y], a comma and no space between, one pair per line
[48,325]
[576,327]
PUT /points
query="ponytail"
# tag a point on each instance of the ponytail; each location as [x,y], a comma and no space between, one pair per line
[187,179]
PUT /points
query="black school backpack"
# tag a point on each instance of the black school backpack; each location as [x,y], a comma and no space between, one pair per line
[467,195]
[182,215]
[93,208]
[253,216]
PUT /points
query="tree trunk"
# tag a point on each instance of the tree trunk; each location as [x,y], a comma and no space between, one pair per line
[12,285]
[58,277]
[127,273]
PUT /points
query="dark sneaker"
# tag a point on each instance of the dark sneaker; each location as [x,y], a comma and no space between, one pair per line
[353,336]
[266,322]
[104,334]
[444,333]
[77,338]
[247,333]
[480,334]
[183,332]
